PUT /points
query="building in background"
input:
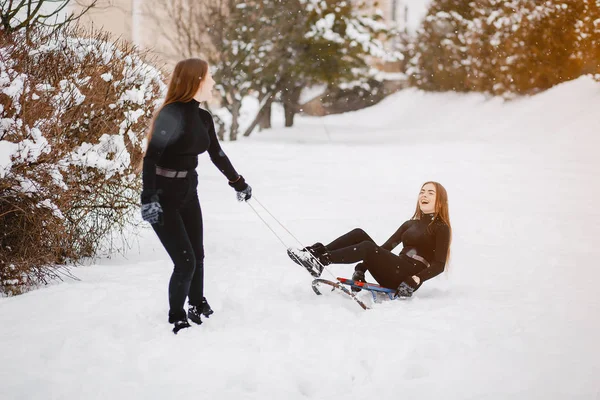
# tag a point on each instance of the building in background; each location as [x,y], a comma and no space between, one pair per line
[394,12]
[114,16]
[127,19]
[138,20]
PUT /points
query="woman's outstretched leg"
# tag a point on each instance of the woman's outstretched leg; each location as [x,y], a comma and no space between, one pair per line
[353,253]
[351,247]
[353,237]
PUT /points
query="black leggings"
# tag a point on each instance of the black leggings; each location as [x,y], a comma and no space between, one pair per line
[388,269]
[181,235]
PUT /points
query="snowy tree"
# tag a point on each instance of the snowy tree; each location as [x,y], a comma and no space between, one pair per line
[318,42]
[275,48]
[588,37]
[227,35]
[439,60]
[518,46]
[540,49]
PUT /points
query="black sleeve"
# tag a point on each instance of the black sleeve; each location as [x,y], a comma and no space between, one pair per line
[442,242]
[167,128]
[396,238]
[216,153]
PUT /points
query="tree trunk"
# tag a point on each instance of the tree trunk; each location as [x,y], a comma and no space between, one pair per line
[290,98]
[259,116]
[235,119]
[221,132]
[265,121]
[289,112]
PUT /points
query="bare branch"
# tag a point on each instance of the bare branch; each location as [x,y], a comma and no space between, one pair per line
[34,14]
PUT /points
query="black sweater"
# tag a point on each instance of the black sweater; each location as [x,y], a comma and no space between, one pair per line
[181,132]
[430,240]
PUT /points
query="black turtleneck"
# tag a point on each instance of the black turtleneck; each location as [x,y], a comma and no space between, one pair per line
[429,237]
[181,132]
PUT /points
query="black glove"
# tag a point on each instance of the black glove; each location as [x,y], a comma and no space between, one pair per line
[152,211]
[244,191]
[407,288]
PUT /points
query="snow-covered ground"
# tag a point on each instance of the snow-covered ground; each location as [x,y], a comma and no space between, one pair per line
[516,317]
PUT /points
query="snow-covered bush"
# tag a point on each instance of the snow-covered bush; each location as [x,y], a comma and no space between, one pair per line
[505,47]
[74,110]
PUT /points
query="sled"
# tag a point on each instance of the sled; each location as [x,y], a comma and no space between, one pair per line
[320,286]
[373,288]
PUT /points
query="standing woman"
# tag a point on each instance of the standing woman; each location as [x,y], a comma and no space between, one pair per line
[180,131]
[425,237]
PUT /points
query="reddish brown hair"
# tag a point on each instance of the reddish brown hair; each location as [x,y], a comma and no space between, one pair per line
[185,80]
[183,85]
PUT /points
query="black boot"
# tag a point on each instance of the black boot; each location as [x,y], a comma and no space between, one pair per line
[317,249]
[205,308]
[358,276]
[311,259]
[179,325]
[324,259]
[195,314]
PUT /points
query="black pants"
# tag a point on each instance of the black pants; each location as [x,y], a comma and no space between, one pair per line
[388,269]
[181,235]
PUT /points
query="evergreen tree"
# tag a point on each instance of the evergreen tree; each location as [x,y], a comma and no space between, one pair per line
[588,33]
[275,48]
[315,42]
[440,59]
[517,46]
[541,49]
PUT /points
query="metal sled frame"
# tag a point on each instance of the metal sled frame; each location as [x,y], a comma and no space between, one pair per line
[336,286]
[373,288]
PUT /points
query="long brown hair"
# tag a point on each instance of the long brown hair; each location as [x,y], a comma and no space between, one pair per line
[183,84]
[441,212]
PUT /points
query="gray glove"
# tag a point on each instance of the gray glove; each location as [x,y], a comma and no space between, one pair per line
[245,194]
[243,190]
[407,288]
[152,212]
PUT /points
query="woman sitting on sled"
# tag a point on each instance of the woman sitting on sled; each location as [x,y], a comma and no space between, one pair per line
[426,238]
